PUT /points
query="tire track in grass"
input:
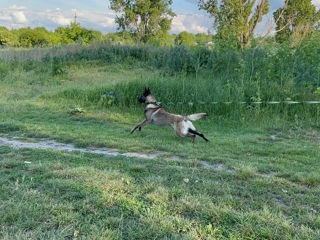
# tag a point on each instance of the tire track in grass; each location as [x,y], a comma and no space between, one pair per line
[46,144]
[69,147]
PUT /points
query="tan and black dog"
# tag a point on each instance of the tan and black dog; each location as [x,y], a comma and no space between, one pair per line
[155,114]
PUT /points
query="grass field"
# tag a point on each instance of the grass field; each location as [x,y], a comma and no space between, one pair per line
[267,187]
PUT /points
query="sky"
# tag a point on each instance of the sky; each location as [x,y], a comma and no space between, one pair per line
[96,14]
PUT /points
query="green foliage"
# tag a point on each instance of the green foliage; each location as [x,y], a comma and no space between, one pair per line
[185,38]
[57,67]
[7,38]
[54,39]
[144,19]
[40,37]
[235,21]
[109,97]
[202,38]
[257,178]
[163,40]
[76,110]
[49,194]
[112,38]
[296,20]
[32,37]
[74,33]
[317,92]
[4,70]
[192,74]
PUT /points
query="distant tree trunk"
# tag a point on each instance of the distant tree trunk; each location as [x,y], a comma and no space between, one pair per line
[236,19]
[295,20]
[143,19]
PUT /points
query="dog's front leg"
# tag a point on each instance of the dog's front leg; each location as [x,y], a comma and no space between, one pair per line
[140,125]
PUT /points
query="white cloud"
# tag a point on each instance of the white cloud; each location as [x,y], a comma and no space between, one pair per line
[19,17]
[316,3]
[13,16]
[58,18]
[101,19]
[194,23]
[109,22]
[5,18]
[17,7]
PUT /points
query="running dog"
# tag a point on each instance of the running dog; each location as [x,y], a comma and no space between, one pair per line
[157,115]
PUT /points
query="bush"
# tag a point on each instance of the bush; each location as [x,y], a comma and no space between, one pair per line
[7,38]
[57,67]
[4,70]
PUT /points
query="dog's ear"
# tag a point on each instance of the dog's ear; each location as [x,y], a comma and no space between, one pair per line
[146,92]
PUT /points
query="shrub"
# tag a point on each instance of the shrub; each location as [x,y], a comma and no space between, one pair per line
[4,70]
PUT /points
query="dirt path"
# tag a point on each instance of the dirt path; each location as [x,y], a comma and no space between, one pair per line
[69,147]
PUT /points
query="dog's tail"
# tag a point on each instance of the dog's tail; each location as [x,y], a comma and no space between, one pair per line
[196,116]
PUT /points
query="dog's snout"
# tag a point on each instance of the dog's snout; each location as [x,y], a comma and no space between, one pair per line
[142,99]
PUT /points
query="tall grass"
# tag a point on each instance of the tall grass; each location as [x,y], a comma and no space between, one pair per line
[198,74]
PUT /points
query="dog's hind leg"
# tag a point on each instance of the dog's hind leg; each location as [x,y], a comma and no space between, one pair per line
[198,133]
[140,125]
[193,137]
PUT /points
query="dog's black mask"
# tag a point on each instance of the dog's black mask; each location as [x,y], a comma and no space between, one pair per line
[143,98]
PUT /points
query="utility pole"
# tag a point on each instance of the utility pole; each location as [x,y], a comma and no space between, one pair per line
[75,17]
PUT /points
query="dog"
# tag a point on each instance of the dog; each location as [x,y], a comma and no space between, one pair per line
[157,115]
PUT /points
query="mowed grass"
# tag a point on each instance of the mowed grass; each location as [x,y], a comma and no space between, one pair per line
[271,190]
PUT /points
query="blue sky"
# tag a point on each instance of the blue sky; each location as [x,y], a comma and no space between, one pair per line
[95,14]
[189,6]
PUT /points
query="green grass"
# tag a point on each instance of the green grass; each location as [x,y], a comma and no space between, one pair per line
[275,72]
[121,198]
[71,195]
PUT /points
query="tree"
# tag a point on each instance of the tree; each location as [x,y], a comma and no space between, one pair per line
[184,38]
[7,38]
[236,20]
[32,37]
[295,20]
[202,38]
[162,40]
[143,19]
[74,33]
[54,39]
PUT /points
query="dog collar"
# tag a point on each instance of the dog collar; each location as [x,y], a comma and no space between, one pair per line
[155,103]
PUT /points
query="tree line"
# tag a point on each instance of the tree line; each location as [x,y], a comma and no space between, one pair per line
[234,21]
[75,34]
[41,37]
[149,21]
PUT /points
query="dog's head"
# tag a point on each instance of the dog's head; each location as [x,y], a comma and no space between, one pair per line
[146,96]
